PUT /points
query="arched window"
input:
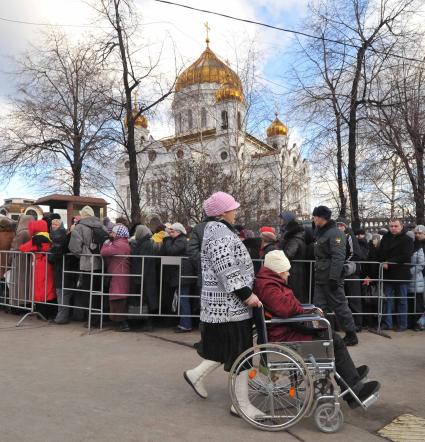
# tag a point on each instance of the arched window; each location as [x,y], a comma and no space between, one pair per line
[224,120]
[189,119]
[239,121]
[203,117]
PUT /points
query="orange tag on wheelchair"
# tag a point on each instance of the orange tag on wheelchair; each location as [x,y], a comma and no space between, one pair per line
[252,373]
[292,392]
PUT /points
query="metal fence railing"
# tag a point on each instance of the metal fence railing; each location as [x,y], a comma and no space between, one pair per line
[151,293]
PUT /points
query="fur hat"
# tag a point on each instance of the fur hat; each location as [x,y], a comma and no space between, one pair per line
[322,212]
[86,211]
[178,228]
[277,261]
[268,233]
[218,203]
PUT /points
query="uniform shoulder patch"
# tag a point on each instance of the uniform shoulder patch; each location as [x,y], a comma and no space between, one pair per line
[338,240]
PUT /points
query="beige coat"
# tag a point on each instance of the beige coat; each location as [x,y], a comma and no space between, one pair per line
[21,281]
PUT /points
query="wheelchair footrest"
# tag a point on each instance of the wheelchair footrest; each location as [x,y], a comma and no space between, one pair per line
[370,400]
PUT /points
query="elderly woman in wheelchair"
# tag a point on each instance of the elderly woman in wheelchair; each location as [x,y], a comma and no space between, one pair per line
[298,365]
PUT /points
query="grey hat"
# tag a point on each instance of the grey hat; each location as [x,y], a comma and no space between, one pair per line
[287,217]
[419,229]
[179,228]
[142,231]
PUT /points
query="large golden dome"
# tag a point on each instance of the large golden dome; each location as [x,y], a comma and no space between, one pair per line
[277,128]
[209,69]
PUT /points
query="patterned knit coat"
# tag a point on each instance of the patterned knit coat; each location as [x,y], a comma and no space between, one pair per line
[226,267]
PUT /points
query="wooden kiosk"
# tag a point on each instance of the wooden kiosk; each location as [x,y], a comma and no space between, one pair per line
[73,204]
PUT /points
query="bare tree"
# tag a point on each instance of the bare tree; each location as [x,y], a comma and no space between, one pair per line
[399,123]
[58,125]
[368,32]
[120,47]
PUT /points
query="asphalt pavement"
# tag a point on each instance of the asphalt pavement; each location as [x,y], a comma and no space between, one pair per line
[59,383]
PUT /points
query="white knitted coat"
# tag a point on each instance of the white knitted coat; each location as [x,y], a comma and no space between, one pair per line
[226,266]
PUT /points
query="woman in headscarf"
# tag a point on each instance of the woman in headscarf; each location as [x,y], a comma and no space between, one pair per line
[226,299]
[40,244]
[119,268]
[7,233]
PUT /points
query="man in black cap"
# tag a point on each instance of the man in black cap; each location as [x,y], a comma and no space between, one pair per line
[329,252]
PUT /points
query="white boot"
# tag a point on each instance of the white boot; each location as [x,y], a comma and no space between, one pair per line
[241,392]
[195,376]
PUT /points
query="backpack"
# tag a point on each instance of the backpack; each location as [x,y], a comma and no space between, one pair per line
[99,236]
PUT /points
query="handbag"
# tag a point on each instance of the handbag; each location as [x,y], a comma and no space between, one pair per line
[349,268]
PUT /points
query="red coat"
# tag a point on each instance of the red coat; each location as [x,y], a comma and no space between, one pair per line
[279,300]
[120,285]
[44,289]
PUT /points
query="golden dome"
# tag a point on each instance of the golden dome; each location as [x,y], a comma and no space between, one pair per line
[140,121]
[209,69]
[277,128]
[228,92]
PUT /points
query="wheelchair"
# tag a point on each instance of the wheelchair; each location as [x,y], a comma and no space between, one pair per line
[292,380]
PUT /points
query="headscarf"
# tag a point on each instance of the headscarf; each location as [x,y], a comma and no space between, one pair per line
[121,231]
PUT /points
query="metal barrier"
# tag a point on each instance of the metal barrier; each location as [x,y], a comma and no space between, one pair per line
[86,291]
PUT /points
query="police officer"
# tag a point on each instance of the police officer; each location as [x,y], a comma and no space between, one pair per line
[329,252]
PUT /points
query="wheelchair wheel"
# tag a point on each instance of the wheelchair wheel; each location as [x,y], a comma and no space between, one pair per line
[279,387]
[326,419]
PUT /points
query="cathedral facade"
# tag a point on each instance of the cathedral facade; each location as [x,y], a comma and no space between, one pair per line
[209,111]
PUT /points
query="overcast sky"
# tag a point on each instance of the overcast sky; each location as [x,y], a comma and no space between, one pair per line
[163,26]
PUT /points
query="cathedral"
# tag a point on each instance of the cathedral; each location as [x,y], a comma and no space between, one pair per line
[209,110]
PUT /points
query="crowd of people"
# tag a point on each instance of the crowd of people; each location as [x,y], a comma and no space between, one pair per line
[106,258]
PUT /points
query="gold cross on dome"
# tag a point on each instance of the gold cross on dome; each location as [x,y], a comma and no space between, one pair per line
[207,28]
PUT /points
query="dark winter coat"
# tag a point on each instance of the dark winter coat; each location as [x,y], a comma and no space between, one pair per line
[329,251]
[57,251]
[177,247]
[399,249]
[295,248]
[144,247]
[279,300]
[267,248]
[253,246]
[194,245]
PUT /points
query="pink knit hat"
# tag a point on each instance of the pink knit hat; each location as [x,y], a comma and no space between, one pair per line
[219,203]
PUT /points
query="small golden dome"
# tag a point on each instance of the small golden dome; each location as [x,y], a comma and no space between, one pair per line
[208,68]
[277,128]
[140,121]
[228,92]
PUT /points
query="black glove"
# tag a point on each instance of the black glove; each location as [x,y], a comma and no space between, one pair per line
[333,284]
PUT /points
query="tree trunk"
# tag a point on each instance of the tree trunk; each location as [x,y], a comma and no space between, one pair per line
[352,142]
[419,194]
[342,198]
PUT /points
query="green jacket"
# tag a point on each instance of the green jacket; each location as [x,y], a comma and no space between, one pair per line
[329,252]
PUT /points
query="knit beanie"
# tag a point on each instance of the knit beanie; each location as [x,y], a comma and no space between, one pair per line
[322,212]
[219,203]
[268,233]
[86,211]
[178,228]
[142,231]
[120,231]
[287,217]
[277,261]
